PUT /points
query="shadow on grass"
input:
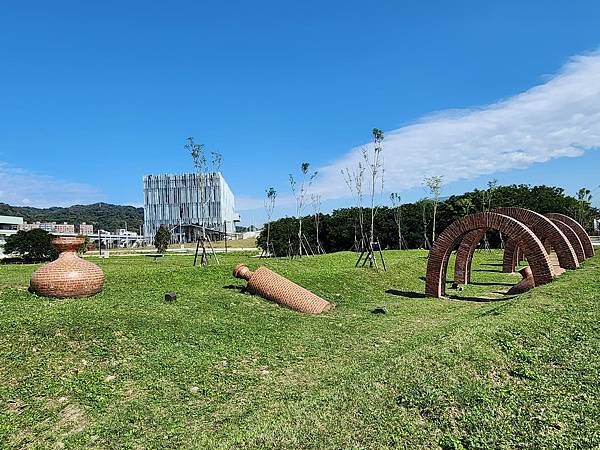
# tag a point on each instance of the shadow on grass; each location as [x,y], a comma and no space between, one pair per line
[235,287]
[412,294]
[463,298]
[491,283]
[407,294]
[491,264]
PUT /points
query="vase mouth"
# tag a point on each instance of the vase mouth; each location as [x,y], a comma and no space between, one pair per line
[67,243]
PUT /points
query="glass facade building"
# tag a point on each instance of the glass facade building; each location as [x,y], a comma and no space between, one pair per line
[184,202]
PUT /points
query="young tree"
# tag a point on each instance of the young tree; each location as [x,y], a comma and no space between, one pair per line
[374,162]
[355,180]
[488,195]
[423,203]
[162,239]
[198,154]
[217,161]
[397,210]
[299,191]
[269,207]
[434,187]
[316,204]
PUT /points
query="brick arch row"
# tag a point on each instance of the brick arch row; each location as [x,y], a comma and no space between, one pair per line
[451,237]
[544,228]
[573,231]
[547,231]
[584,238]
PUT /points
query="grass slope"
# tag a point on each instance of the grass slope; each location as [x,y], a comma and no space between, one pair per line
[219,368]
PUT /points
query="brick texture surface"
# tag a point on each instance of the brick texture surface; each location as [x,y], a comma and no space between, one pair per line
[586,242]
[547,231]
[448,240]
[550,235]
[69,275]
[274,287]
[572,237]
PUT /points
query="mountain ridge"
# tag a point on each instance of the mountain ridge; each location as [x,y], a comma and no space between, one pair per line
[106,216]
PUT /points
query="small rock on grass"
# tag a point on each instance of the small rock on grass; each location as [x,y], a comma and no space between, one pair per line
[379,310]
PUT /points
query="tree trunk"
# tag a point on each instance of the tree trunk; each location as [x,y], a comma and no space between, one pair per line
[299,237]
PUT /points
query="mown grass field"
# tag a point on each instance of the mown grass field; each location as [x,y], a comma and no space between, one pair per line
[219,368]
[247,244]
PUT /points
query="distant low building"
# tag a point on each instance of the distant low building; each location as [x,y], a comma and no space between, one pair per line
[85,228]
[24,226]
[53,227]
[64,228]
[9,225]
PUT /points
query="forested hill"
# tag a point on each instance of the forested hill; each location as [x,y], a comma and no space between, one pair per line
[101,215]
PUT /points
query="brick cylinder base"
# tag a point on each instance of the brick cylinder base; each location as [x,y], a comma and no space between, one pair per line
[69,275]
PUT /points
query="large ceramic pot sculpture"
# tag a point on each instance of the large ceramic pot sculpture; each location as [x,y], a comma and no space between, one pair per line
[274,287]
[69,275]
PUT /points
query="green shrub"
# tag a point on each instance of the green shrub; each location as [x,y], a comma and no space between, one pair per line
[33,245]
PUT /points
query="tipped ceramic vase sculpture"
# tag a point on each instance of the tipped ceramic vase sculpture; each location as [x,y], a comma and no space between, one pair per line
[69,276]
[274,287]
[525,284]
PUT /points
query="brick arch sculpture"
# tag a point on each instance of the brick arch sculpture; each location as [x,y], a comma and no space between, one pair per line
[437,265]
[586,242]
[464,256]
[541,226]
[572,237]
[547,232]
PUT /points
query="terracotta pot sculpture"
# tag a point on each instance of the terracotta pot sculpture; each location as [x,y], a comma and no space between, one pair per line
[69,275]
[274,287]
[525,284]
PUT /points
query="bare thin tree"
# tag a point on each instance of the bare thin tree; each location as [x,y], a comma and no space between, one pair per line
[316,204]
[424,203]
[488,196]
[270,207]
[299,190]
[198,154]
[434,188]
[354,179]
[397,210]
[374,163]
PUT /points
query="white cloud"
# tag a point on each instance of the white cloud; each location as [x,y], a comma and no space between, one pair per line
[558,118]
[244,203]
[22,187]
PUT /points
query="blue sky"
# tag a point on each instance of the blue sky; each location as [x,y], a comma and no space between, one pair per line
[94,95]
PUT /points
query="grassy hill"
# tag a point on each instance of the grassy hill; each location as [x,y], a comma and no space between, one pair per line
[220,369]
[101,215]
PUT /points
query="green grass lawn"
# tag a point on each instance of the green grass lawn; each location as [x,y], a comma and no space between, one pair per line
[219,368]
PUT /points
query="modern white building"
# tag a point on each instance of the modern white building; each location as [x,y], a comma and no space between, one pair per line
[184,202]
[9,225]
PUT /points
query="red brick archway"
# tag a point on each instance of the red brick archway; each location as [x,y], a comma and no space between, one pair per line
[464,256]
[547,232]
[435,285]
[511,256]
[586,242]
[572,237]
[542,227]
